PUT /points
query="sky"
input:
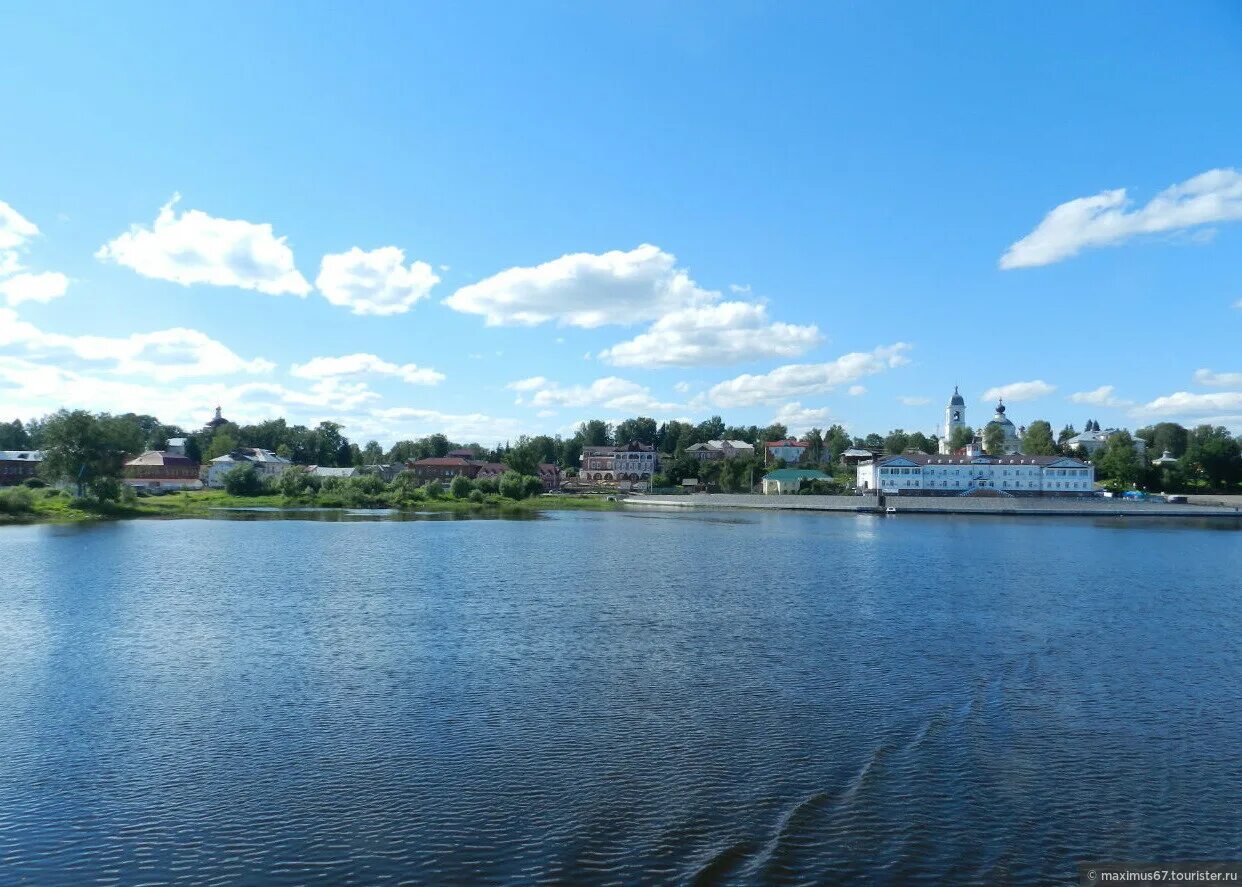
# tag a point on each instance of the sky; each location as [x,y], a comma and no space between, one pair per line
[493,219]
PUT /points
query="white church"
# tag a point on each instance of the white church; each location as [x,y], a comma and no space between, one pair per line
[971,472]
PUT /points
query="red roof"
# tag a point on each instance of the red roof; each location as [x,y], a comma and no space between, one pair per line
[443,462]
[788,443]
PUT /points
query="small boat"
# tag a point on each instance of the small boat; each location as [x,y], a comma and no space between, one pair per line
[892,509]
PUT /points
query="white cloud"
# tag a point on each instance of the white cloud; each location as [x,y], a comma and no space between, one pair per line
[1019,391]
[15,229]
[197,248]
[1186,404]
[42,287]
[914,401]
[375,282]
[365,364]
[1106,219]
[682,387]
[713,335]
[584,290]
[740,289]
[610,392]
[531,384]
[169,354]
[1102,396]
[807,378]
[856,390]
[403,423]
[1218,380]
[799,419]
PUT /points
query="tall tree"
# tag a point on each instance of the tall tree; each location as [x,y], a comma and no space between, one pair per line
[595,433]
[1119,461]
[993,439]
[640,430]
[960,437]
[1038,439]
[1213,456]
[13,436]
[896,441]
[83,449]
[1165,436]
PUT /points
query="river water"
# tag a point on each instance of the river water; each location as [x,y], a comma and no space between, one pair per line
[617,698]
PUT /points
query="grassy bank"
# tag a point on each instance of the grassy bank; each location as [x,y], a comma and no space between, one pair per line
[50,508]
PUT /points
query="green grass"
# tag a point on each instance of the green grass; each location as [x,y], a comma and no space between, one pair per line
[206,503]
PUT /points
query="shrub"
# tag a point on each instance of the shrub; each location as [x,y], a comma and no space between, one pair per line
[487,485]
[461,487]
[17,500]
[512,485]
[531,486]
[432,489]
[477,497]
[105,489]
[243,481]
[34,483]
[128,494]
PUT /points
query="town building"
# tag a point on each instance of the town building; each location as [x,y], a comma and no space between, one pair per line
[789,480]
[597,465]
[712,450]
[216,421]
[550,476]
[176,446]
[490,471]
[635,463]
[325,471]
[919,474]
[162,470]
[266,464]
[1012,436]
[18,466]
[1093,439]
[444,468]
[790,451]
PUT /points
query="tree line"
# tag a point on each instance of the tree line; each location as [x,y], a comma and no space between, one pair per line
[90,448]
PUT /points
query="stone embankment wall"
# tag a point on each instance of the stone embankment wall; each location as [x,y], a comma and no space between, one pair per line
[942,505]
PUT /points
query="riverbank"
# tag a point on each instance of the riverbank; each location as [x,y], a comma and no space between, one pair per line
[1052,507]
[60,509]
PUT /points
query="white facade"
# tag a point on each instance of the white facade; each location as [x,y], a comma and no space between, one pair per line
[954,418]
[265,462]
[1094,440]
[920,474]
[790,451]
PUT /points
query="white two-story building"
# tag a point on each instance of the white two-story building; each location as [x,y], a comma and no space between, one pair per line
[920,474]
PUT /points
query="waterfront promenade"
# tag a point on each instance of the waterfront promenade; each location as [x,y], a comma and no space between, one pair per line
[1052,507]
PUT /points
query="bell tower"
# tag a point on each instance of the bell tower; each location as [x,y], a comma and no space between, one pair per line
[954,418]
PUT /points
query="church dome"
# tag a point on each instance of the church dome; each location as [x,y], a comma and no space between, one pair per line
[1000,418]
[957,400]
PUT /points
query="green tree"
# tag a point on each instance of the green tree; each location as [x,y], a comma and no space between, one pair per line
[512,485]
[78,449]
[960,437]
[193,451]
[836,442]
[1164,436]
[1038,439]
[221,444]
[372,453]
[13,436]
[595,433]
[1119,461]
[993,439]
[1065,434]
[711,429]
[896,441]
[815,446]
[523,458]
[461,487]
[921,442]
[640,430]
[1212,455]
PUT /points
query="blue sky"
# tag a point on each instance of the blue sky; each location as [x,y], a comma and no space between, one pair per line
[506,218]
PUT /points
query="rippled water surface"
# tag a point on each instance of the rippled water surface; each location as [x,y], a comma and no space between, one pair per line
[615,698]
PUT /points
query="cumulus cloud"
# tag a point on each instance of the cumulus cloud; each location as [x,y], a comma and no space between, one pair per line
[610,392]
[807,378]
[42,287]
[1218,380]
[1019,391]
[799,419]
[197,248]
[15,231]
[376,282]
[1102,396]
[176,353]
[401,423]
[1107,219]
[713,335]
[584,290]
[914,401]
[856,390]
[364,365]
[1187,404]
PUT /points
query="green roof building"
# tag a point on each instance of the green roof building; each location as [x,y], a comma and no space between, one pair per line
[789,480]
